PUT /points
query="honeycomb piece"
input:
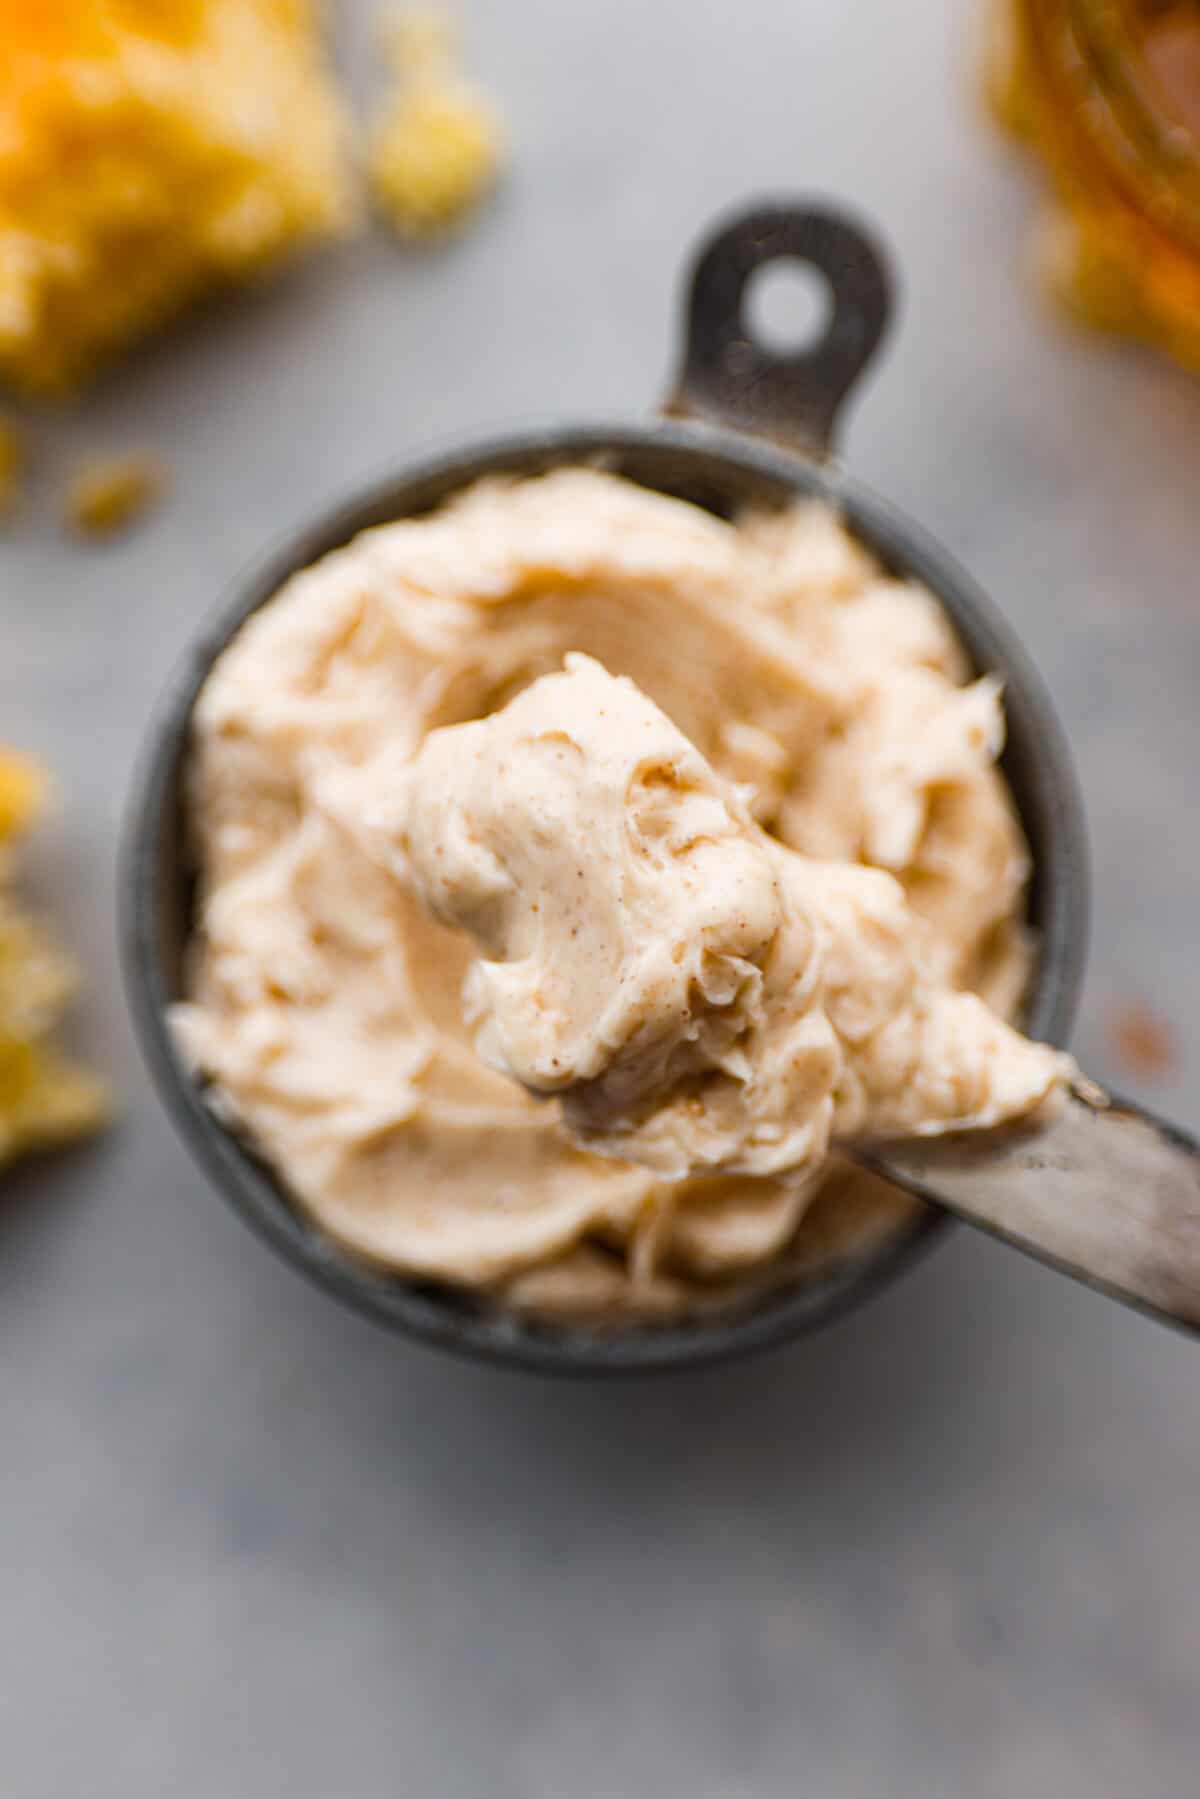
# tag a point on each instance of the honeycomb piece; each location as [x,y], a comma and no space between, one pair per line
[151,150]
[435,149]
[44,1100]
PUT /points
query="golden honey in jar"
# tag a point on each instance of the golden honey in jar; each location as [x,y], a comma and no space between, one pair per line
[1107,93]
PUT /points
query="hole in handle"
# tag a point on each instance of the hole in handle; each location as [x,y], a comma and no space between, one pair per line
[787,306]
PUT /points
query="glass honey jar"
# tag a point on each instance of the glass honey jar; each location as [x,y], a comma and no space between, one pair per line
[1107,94]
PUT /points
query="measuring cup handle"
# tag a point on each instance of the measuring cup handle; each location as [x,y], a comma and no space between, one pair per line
[731,378]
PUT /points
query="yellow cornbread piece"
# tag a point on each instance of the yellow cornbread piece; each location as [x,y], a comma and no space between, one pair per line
[44,1100]
[151,150]
[107,497]
[436,147]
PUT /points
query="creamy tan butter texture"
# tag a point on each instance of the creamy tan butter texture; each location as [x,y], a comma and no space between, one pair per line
[702,999]
[797,687]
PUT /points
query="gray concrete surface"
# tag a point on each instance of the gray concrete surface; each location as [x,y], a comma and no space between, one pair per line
[249,1546]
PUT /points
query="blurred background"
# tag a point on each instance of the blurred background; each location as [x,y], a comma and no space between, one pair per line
[248,1544]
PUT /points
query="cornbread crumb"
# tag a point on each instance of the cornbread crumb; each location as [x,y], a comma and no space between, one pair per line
[11,462]
[436,147]
[44,1100]
[1144,1042]
[110,496]
[151,150]
[23,789]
